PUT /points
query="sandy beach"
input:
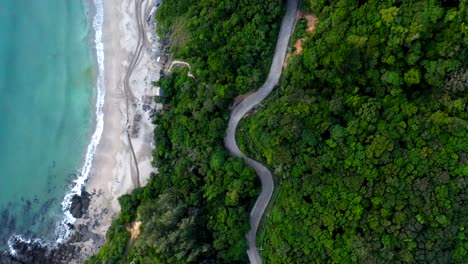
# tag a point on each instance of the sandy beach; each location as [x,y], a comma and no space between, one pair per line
[116,168]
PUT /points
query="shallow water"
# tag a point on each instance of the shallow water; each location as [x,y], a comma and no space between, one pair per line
[47,79]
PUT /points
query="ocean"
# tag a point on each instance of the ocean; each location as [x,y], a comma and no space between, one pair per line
[48,79]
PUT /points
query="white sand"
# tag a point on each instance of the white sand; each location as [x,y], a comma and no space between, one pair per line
[111,175]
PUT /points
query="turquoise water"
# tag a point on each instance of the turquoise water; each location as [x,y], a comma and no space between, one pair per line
[47,75]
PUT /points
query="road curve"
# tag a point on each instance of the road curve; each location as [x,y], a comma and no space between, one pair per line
[189,74]
[245,106]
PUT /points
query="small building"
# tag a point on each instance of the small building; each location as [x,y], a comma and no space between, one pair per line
[162,59]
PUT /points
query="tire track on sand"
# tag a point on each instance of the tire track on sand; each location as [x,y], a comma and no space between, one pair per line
[130,97]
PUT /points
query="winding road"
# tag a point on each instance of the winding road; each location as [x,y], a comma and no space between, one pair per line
[245,106]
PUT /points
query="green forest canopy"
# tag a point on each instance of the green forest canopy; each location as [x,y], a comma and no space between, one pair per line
[196,209]
[368,137]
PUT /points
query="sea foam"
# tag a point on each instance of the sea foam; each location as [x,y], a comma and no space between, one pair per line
[63,229]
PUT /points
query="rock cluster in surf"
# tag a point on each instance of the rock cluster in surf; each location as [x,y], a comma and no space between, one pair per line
[79,204]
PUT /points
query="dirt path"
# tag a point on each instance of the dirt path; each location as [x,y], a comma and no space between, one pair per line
[245,106]
[189,74]
[130,97]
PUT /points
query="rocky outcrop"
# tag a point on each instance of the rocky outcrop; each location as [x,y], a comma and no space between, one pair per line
[33,252]
[36,252]
[6,258]
[79,204]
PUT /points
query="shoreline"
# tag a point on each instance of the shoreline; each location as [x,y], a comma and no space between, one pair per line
[64,226]
[63,229]
[121,142]
[111,173]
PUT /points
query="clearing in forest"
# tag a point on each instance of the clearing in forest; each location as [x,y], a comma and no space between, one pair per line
[134,230]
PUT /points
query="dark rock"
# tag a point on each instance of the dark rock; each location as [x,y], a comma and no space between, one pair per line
[76,207]
[6,258]
[70,226]
[79,204]
[36,252]
[32,252]
[146,107]
[86,200]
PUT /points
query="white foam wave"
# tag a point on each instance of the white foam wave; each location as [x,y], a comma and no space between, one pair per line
[63,229]
[18,238]
[10,247]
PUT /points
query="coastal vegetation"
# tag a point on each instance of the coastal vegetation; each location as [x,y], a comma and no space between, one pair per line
[368,137]
[196,208]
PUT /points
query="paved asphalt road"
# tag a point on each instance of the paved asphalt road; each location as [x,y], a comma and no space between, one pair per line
[245,106]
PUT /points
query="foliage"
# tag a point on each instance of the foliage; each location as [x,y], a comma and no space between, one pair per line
[196,208]
[225,41]
[369,137]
